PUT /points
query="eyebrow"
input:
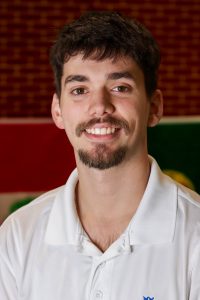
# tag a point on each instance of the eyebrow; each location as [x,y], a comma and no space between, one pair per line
[111,76]
[119,75]
[79,78]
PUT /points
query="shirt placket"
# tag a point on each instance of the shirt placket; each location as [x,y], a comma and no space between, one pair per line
[100,279]
[101,274]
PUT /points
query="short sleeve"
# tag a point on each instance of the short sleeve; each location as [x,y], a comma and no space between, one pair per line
[8,288]
[8,261]
[195,275]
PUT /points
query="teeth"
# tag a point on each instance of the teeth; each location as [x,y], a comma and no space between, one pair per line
[109,130]
[103,131]
[100,131]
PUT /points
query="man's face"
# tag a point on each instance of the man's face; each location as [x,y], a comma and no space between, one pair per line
[104,110]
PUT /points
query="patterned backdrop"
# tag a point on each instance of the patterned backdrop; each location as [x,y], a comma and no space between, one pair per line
[27,29]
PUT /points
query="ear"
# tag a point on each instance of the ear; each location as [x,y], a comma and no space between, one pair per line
[156,108]
[56,112]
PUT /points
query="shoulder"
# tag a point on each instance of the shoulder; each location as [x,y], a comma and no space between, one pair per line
[189,199]
[188,214]
[188,202]
[26,217]
[32,219]
[186,207]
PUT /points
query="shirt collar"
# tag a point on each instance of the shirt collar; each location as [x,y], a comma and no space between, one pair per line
[153,222]
[64,226]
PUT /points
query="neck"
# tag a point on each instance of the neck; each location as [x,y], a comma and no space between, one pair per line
[114,193]
[107,200]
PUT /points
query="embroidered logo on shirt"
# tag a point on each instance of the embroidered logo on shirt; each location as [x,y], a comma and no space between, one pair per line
[148,298]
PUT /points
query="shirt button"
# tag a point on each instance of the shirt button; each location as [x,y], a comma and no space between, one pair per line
[123,243]
[120,249]
[99,294]
[102,265]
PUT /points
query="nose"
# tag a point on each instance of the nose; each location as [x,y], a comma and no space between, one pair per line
[101,104]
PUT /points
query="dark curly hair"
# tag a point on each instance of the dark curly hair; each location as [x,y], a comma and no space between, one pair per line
[102,35]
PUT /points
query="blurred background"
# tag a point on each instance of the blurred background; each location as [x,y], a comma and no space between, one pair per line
[34,155]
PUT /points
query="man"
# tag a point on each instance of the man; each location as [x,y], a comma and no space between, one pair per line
[119,229]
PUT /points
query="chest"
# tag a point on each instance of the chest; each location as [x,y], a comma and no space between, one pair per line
[142,274]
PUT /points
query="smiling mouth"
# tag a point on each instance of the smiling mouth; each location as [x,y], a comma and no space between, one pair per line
[102,127]
[101,131]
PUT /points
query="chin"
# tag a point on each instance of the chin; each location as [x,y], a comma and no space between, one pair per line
[102,158]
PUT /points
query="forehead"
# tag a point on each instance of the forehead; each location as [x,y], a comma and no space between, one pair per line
[92,67]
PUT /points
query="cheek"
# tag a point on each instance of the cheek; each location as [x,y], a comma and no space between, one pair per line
[68,122]
[129,112]
[136,115]
[71,119]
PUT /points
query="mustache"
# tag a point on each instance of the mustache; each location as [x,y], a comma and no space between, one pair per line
[121,123]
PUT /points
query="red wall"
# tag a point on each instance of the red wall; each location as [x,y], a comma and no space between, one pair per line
[35,156]
[27,29]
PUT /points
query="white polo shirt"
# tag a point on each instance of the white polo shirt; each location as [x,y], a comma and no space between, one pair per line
[45,254]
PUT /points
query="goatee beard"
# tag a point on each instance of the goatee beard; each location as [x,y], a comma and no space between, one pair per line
[101,157]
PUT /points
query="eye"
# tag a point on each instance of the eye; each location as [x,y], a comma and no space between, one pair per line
[79,91]
[121,89]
